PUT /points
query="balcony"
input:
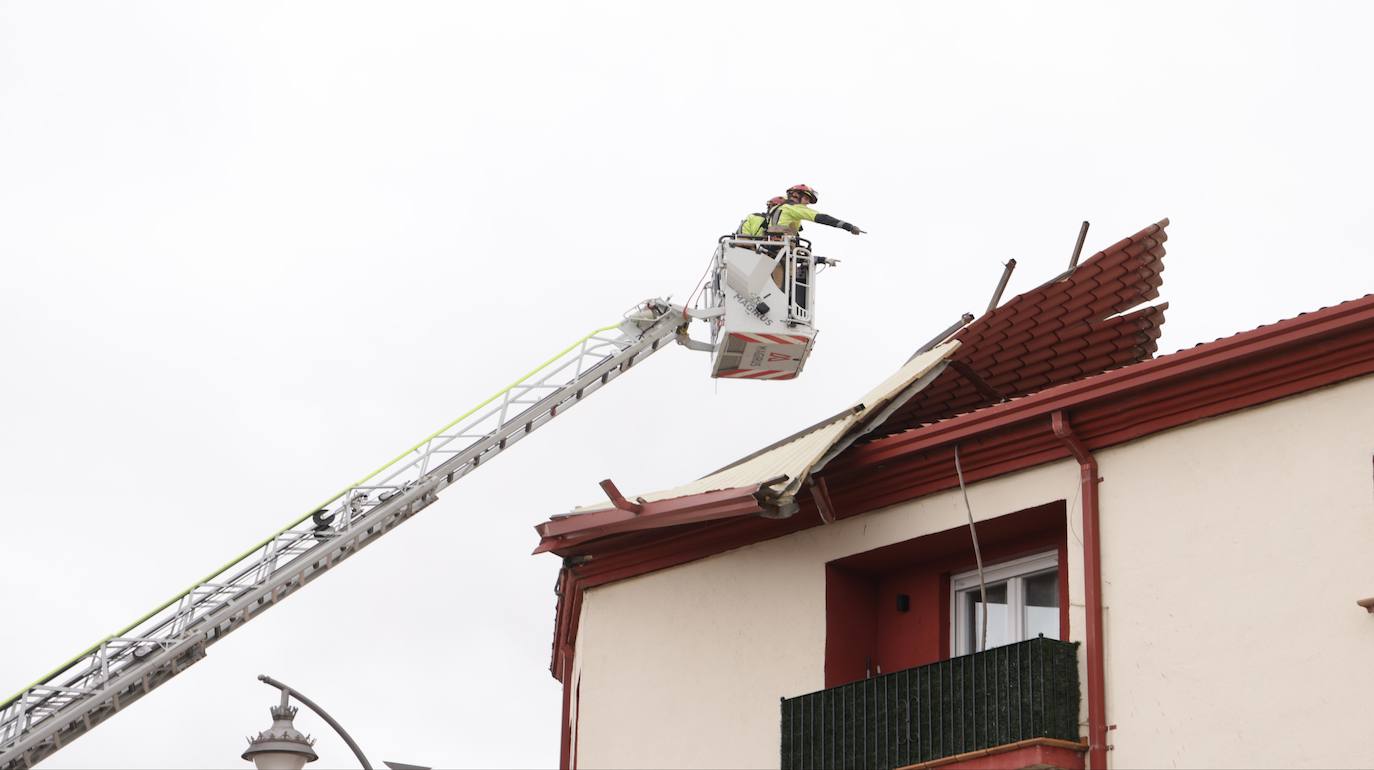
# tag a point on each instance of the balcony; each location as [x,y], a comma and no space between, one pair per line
[1006,695]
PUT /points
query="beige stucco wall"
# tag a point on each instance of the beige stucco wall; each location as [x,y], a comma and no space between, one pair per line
[1233,550]
[684,667]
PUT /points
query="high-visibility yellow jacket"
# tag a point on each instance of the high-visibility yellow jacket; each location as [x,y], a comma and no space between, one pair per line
[753,225]
[789,216]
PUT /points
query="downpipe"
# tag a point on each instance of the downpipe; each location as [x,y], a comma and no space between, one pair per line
[1092,589]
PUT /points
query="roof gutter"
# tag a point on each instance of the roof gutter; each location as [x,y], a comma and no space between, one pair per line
[1092,589]
[564,534]
[1147,374]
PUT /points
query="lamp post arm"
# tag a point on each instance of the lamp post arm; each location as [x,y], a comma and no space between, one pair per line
[286,690]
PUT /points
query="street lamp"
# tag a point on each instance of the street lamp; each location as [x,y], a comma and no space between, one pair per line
[281,746]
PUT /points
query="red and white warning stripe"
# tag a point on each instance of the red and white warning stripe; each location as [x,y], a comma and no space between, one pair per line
[780,350]
[757,374]
[759,338]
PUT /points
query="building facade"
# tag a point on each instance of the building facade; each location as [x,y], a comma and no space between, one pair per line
[1191,533]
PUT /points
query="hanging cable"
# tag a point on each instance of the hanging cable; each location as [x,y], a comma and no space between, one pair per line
[977,552]
[701,284]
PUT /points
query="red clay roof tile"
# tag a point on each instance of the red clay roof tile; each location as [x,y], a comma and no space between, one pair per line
[1059,332]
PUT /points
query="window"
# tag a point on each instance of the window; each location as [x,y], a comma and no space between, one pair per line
[1023,602]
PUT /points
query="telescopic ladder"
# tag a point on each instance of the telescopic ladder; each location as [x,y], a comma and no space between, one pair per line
[120,669]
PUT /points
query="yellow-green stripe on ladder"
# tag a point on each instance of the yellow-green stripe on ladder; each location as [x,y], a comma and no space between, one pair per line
[323,505]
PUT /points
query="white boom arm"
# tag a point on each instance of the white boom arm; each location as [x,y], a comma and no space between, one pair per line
[71,700]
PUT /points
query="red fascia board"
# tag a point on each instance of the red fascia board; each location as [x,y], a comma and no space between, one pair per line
[564,535]
[1293,331]
[705,539]
[894,493]
[569,544]
[593,520]
[1337,363]
[1013,448]
[1105,422]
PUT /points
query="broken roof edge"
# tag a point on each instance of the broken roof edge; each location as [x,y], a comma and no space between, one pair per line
[560,535]
[1222,351]
[788,463]
[1158,228]
[1093,318]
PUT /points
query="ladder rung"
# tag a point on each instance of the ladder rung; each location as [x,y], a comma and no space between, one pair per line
[291,558]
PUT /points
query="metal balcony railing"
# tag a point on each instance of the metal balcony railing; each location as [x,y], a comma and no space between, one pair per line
[1007,694]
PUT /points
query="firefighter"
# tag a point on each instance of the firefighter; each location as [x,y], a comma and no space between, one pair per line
[755,225]
[787,218]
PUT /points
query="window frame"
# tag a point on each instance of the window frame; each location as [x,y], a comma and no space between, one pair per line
[1013,572]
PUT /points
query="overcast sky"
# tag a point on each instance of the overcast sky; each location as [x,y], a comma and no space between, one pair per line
[251,250]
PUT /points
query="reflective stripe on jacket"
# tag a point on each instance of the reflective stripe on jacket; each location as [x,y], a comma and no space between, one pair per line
[789,216]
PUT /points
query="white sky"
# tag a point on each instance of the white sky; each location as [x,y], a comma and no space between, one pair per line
[251,250]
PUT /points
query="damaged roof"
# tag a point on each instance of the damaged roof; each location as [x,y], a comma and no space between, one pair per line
[1071,327]
[1117,404]
[765,482]
[1078,324]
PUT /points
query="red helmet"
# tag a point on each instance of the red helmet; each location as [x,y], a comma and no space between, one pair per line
[804,190]
[776,200]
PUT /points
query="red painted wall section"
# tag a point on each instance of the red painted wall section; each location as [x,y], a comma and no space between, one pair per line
[851,624]
[866,633]
[919,635]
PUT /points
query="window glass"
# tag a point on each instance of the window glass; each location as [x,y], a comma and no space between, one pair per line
[1042,605]
[1023,603]
[999,632]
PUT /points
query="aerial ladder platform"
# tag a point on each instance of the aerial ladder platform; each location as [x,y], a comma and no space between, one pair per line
[758,301]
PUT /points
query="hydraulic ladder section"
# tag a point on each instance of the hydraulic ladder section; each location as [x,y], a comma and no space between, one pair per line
[120,669]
